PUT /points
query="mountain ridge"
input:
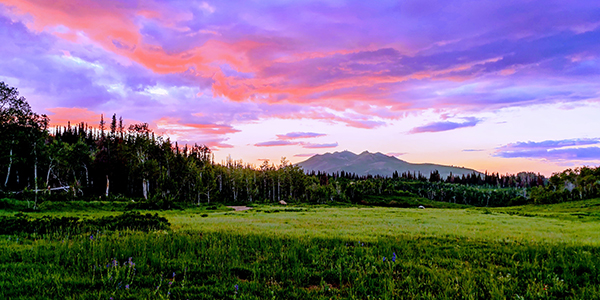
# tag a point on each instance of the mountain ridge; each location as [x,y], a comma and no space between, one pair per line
[367,163]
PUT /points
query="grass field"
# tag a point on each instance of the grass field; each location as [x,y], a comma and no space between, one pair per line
[313,252]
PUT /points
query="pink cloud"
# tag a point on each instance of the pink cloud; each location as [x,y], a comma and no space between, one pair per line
[305,154]
[212,135]
[60,116]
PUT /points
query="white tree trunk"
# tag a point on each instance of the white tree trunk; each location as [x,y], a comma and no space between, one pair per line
[9,166]
[87,181]
[35,183]
[234,190]
[50,166]
[107,186]
[248,189]
[145,188]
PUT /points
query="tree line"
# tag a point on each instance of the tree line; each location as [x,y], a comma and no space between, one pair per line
[113,161]
[569,185]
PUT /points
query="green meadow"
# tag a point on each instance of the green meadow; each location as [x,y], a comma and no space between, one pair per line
[308,252]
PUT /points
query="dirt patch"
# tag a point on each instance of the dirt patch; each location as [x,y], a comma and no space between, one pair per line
[240,208]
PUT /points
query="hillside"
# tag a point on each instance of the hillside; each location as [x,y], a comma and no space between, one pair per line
[374,164]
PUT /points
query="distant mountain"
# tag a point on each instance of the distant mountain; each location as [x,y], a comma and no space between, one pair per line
[374,164]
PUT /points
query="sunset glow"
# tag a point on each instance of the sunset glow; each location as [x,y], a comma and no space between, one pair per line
[502,86]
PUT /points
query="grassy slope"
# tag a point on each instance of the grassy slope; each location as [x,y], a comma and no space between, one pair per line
[586,210]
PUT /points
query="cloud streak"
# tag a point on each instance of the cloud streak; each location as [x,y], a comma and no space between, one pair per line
[445,126]
[299,135]
[315,146]
[560,150]
[275,143]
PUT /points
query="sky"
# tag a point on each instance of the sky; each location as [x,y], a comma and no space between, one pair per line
[498,86]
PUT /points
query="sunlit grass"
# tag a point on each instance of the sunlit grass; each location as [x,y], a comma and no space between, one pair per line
[371,223]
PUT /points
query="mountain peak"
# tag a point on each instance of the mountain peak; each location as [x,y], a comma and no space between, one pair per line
[377,163]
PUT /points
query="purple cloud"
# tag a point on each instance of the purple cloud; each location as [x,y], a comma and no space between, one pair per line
[552,150]
[445,126]
[546,145]
[275,143]
[313,146]
[299,135]
[589,153]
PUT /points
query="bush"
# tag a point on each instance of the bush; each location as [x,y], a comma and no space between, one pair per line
[22,223]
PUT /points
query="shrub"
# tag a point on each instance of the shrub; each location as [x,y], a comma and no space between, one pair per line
[21,223]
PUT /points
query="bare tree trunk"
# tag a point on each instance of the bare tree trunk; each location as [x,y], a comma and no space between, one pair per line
[48,174]
[87,181]
[35,175]
[145,188]
[248,189]
[234,190]
[9,166]
[107,186]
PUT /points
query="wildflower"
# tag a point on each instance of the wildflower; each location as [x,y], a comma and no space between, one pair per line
[173,274]
[170,282]
[91,237]
[236,288]
[384,259]
[127,286]
[394,257]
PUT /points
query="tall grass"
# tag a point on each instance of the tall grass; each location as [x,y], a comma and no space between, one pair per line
[196,265]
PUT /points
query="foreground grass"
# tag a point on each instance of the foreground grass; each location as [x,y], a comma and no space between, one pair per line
[314,252]
[193,265]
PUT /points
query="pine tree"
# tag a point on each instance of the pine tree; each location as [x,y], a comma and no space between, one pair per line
[102,123]
[113,125]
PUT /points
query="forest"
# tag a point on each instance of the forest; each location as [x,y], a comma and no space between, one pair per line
[114,161]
